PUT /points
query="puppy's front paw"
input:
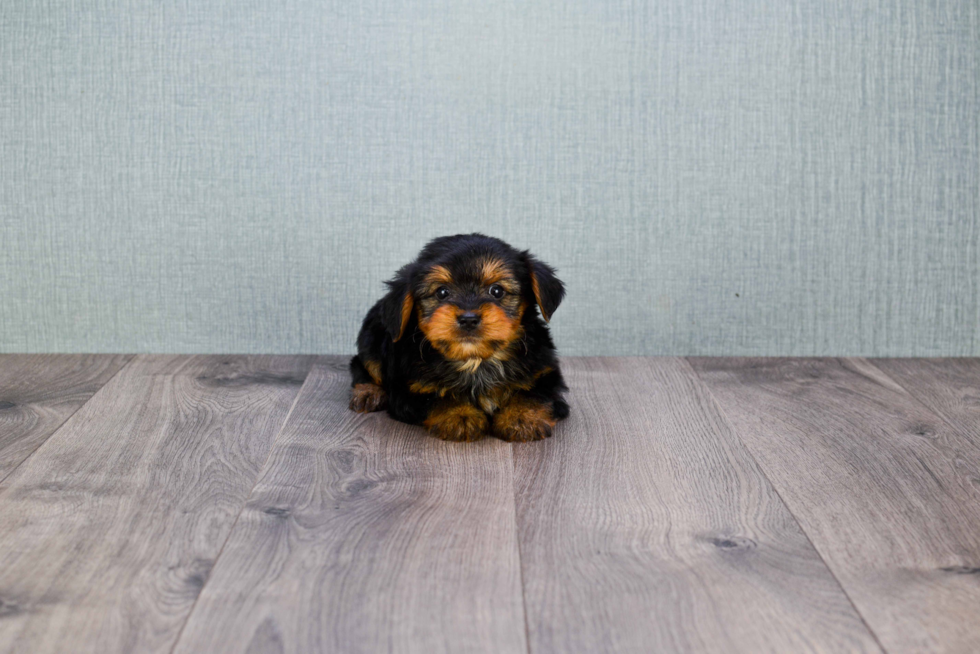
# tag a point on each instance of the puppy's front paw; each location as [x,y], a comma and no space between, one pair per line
[460,422]
[523,419]
[365,398]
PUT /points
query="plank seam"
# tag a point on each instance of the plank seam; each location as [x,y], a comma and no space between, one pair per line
[248,498]
[724,416]
[520,556]
[132,357]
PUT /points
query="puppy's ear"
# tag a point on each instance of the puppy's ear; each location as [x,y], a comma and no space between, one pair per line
[396,307]
[548,290]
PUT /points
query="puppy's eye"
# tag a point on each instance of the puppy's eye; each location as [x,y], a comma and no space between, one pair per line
[442,292]
[497,291]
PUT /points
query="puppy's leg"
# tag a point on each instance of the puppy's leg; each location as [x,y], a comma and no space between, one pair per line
[453,420]
[550,388]
[531,415]
[524,418]
[366,392]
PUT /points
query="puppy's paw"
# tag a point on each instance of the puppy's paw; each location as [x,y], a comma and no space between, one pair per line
[365,398]
[522,420]
[459,422]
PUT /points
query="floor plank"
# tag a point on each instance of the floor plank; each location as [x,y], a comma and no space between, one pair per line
[38,392]
[949,387]
[108,532]
[364,535]
[645,526]
[884,488]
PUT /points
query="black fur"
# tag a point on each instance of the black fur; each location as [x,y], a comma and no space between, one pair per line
[532,363]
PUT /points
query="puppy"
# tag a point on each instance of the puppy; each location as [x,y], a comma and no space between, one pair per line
[457,344]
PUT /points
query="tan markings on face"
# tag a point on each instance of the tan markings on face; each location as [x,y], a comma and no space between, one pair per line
[495,271]
[492,271]
[374,369]
[473,352]
[520,312]
[428,302]
[440,325]
[497,325]
[499,319]
[436,277]
[440,328]
[497,331]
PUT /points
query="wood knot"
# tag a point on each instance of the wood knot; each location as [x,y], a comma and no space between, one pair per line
[732,543]
[194,574]
[359,486]
[9,608]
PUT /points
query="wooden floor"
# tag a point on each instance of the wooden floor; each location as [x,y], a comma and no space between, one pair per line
[235,504]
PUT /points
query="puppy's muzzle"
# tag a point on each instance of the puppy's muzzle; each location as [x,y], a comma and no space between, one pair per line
[468,321]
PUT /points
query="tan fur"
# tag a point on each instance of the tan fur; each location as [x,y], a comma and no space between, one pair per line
[365,398]
[543,371]
[456,421]
[441,329]
[406,314]
[374,369]
[438,276]
[497,397]
[469,365]
[492,271]
[523,419]
[537,296]
[497,325]
[419,387]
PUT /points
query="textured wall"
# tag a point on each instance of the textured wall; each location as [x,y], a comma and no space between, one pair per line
[709,177]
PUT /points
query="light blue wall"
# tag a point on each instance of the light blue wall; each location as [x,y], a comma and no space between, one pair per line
[709,177]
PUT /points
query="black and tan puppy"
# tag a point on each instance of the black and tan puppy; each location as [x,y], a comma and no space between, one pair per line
[457,344]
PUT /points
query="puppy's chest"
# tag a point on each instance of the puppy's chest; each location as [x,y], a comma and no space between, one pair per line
[488,383]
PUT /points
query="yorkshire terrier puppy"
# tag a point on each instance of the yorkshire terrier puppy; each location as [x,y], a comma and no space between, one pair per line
[457,344]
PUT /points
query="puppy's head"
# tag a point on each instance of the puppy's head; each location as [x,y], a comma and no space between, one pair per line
[469,293]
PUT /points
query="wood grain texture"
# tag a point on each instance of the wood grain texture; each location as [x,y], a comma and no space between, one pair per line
[109,531]
[364,535]
[645,526]
[38,392]
[949,387]
[885,489]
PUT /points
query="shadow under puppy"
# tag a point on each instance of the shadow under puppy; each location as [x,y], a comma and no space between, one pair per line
[457,344]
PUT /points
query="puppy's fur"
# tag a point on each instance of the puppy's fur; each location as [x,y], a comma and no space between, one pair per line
[457,344]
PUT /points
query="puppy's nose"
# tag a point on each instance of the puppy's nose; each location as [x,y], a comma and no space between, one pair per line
[468,320]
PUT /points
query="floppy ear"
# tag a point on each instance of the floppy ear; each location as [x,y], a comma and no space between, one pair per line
[396,307]
[548,290]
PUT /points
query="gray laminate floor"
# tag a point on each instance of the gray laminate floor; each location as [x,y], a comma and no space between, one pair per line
[234,504]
